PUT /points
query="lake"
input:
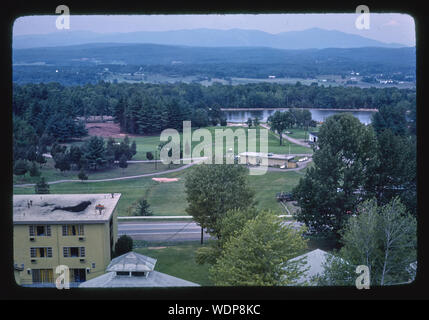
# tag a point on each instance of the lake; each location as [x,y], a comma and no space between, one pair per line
[316,114]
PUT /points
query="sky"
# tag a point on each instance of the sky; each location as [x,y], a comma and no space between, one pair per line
[386,27]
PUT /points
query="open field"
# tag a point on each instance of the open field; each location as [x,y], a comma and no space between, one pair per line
[179,261]
[169,199]
[166,199]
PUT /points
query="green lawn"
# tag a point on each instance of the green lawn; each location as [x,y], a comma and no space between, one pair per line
[165,198]
[301,134]
[179,261]
[49,172]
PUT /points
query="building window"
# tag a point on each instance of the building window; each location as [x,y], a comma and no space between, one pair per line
[39,230]
[41,252]
[73,230]
[138,274]
[73,252]
[31,231]
[42,275]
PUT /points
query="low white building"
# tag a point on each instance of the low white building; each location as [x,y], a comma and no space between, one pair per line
[135,270]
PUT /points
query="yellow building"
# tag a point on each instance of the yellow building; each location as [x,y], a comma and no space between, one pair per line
[75,230]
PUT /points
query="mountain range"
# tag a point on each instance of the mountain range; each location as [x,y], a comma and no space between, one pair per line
[314,38]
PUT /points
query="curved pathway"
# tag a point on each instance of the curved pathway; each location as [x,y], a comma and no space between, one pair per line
[293,140]
[303,165]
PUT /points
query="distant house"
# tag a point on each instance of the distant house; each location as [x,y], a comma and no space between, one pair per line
[256,158]
[271,77]
[134,270]
[313,136]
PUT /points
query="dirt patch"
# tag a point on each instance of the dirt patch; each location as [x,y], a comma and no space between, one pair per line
[105,130]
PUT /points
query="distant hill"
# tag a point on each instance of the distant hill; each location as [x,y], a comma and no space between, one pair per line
[153,54]
[314,38]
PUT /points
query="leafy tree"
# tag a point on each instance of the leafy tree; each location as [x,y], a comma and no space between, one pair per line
[343,166]
[41,186]
[260,254]
[212,190]
[279,122]
[123,245]
[62,161]
[391,118]
[20,167]
[34,170]
[40,159]
[82,175]
[75,155]
[384,238]
[249,122]
[229,225]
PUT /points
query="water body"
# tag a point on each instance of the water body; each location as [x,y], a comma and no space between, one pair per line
[316,114]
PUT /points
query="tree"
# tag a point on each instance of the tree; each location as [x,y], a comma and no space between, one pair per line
[34,170]
[75,155]
[149,155]
[256,122]
[20,167]
[212,190]
[390,117]
[396,173]
[343,167]
[62,161]
[123,162]
[94,152]
[260,254]
[229,224]
[249,122]
[82,175]
[133,149]
[384,238]
[123,245]
[41,187]
[279,122]
[142,208]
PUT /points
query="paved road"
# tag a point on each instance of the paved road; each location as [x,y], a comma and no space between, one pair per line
[162,231]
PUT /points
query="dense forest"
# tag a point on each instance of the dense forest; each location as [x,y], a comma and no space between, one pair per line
[45,113]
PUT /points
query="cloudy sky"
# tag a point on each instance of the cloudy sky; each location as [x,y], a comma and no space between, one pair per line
[386,27]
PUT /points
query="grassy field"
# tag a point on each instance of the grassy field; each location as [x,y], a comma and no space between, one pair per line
[179,261]
[165,198]
[169,198]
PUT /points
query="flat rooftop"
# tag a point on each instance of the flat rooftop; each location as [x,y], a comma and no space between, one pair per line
[64,208]
[267,155]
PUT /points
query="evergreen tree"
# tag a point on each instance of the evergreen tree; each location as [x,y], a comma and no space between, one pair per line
[41,187]
[123,245]
[123,162]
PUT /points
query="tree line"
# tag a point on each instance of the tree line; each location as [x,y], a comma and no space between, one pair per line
[52,109]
